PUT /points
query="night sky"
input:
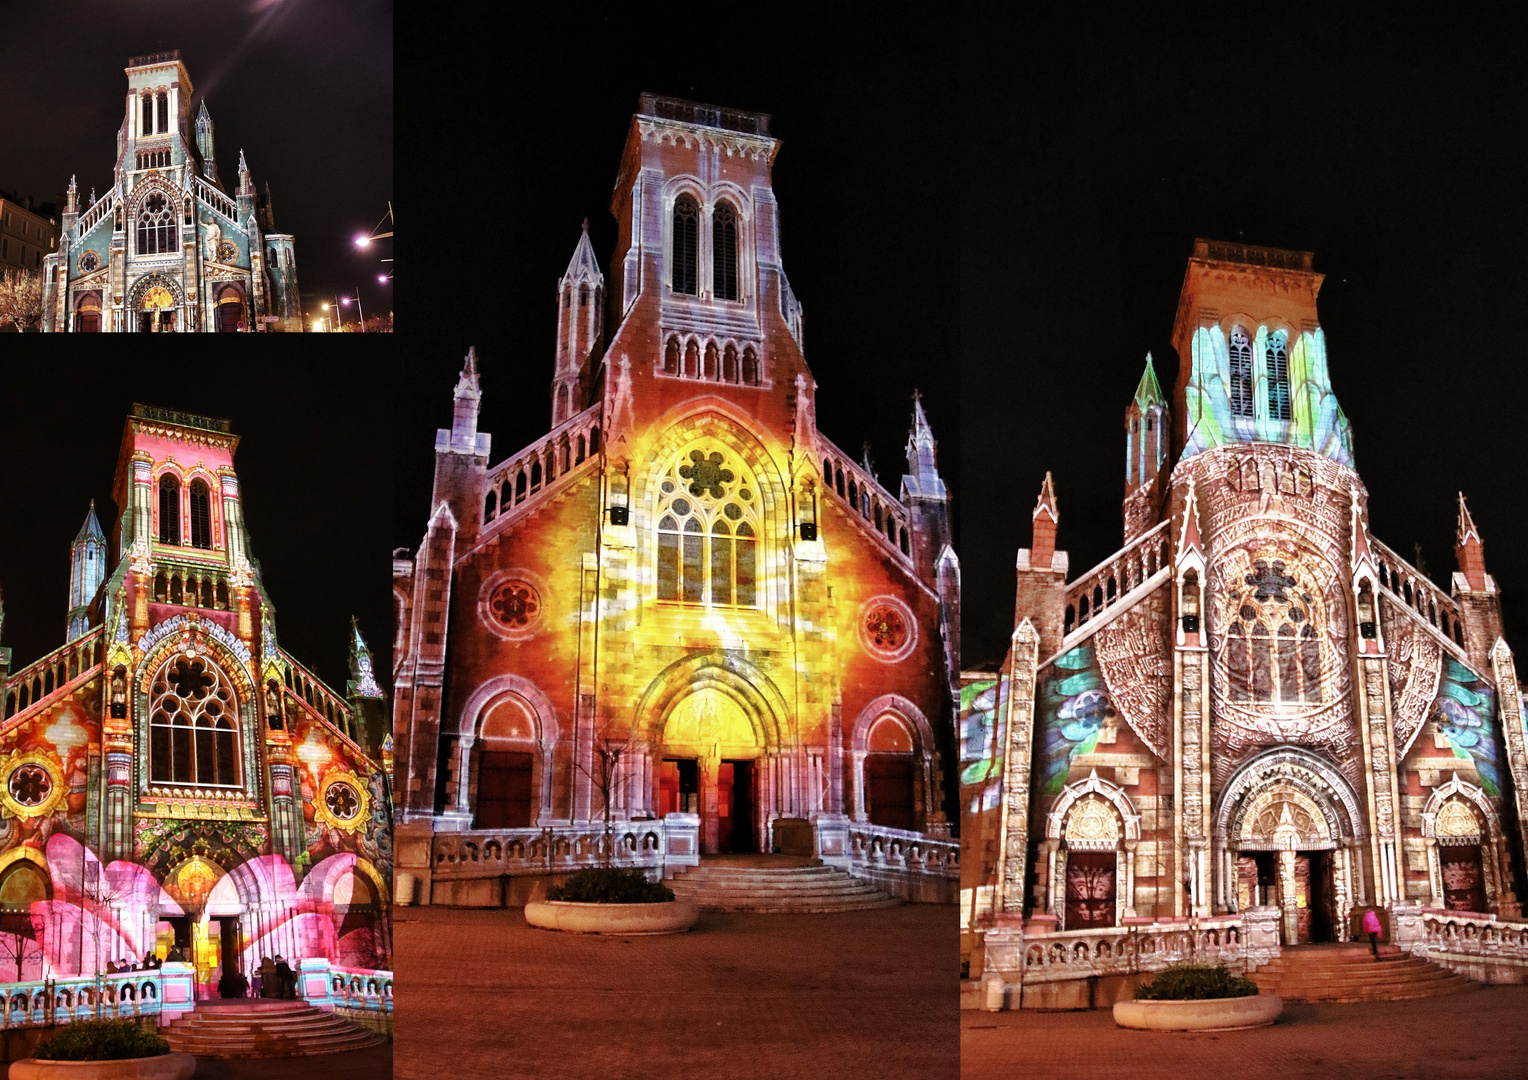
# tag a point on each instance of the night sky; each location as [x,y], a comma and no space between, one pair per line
[866,181]
[1093,154]
[310,432]
[305,88]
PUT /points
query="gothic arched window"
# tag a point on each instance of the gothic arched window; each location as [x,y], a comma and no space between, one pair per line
[686,275]
[708,531]
[156,226]
[724,251]
[1277,355]
[1241,373]
[201,515]
[1283,665]
[148,115]
[169,509]
[193,725]
[164,112]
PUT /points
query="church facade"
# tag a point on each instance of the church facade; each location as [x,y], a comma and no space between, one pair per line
[170,777]
[167,247]
[683,622]
[1254,707]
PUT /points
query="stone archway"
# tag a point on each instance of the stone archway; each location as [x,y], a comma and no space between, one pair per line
[1464,848]
[1091,835]
[1289,833]
[156,301]
[886,729]
[511,717]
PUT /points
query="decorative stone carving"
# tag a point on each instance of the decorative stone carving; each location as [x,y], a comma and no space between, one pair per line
[1416,665]
[1135,660]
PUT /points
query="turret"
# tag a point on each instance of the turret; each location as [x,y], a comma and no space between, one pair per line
[1475,590]
[580,328]
[1041,594]
[204,144]
[87,569]
[365,696]
[1145,451]
[461,453]
[925,495]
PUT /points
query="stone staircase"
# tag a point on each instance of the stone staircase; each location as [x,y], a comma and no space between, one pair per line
[1329,974]
[261,1029]
[775,884]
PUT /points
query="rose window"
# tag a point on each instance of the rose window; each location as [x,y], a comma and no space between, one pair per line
[228,251]
[708,531]
[30,785]
[515,604]
[342,800]
[886,628]
[89,261]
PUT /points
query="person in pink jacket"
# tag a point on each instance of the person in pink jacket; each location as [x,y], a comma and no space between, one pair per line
[1372,928]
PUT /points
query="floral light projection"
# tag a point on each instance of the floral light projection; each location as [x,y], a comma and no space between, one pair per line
[1464,713]
[1069,712]
[982,704]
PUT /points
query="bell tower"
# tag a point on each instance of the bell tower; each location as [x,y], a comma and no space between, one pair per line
[580,329]
[1145,451]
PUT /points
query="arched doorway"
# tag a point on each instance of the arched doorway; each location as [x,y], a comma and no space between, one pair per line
[87,313]
[1289,835]
[22,884]
[156,311]
[890,774]
[502,779]
[1462,830]
[228,309]
[707,758]
[1091,834]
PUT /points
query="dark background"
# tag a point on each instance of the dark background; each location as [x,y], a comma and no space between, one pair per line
[304,88]
[311,430]
[1093,153]
[866,178]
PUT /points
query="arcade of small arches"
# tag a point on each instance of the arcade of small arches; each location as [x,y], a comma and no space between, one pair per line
[1423,600]
[711,363]
[536,468]
[1088,597]
[56,671]
[887,518]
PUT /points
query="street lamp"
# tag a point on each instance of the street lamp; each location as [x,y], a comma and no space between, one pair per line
[365,241]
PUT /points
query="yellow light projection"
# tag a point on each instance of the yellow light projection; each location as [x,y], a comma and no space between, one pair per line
[709,718]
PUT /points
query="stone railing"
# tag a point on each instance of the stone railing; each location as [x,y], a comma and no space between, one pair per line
[60,672]
[560,849]
[1480,946]
[307,688]
[90,218]
[863,494]
[1414,590]
[215,199]
[1142,562]
[358,993]
[904,863]
[525,478]
[165,991]
[1127,950]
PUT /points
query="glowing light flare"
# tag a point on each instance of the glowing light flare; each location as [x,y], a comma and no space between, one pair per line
[362,241]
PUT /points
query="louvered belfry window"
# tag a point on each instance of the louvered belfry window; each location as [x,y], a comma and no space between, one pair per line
[1241,373]
[164,112]
[201,515]
[724,251]
[169,510]
[1278,376]
[686,246]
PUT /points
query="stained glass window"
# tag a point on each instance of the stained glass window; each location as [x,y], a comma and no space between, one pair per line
[708,530]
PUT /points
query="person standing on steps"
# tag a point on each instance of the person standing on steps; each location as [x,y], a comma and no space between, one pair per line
[1372,928]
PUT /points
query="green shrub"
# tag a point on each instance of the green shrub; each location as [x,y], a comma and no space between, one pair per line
[604,885]
[100,1040]
[1193,982]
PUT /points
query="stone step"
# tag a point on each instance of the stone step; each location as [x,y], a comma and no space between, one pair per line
[806,889]
[1347,973]
[753,889]
[266,1029]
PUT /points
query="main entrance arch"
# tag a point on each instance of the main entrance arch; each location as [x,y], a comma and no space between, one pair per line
[1289,834]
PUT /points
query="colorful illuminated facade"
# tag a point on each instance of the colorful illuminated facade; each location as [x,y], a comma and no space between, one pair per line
[170,777]
[167,248]
[683,606]
[1254,703]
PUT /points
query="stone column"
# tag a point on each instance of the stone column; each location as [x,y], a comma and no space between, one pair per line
[1013,842]
[1287,905]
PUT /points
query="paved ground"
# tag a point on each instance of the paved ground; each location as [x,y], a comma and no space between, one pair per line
[861,994]
[1476,1035]
[374,1063]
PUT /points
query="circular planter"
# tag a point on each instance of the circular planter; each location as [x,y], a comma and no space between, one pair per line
[160,1067]
[667,917]
[1205,1014]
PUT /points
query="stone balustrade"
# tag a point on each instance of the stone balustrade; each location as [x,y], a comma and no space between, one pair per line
[45,1002]
[1482,947]
[905,863]
[558,849]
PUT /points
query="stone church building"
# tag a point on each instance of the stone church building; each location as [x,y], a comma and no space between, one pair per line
[683,611]
[1254,705]
[167,247]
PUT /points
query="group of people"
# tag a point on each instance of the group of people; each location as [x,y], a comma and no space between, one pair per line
[274,978]
[150,962]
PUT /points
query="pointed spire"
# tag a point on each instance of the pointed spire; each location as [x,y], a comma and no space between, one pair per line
[468,397]
[72,205]
[1469,550]
[867,462]
[1149,392]
[1188,539]
[1362,554]
[922,456]
[243,168]
[1042,544]
[583,266]
[92,527]
[363,682]
[203,114]
[1046,503]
